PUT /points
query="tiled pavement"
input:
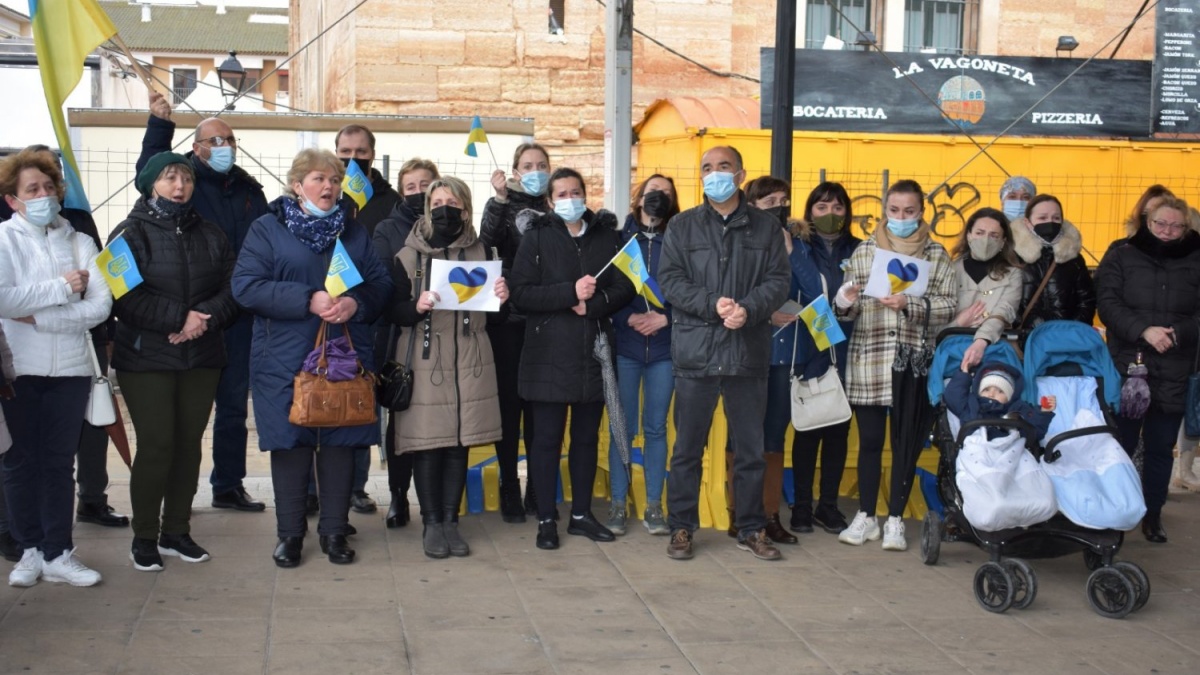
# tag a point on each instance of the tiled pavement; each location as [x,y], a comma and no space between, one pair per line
[622,607]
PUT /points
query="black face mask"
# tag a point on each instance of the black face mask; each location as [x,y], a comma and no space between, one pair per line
[656,204]
[447,223]
[1048,231]
[416,202]
[780,213]
[362,164]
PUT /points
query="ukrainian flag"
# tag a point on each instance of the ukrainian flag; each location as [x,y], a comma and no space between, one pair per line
[629,260]
[822,324]
[118,267]
[357,184]
[342,274]
[64,33]
[477,135]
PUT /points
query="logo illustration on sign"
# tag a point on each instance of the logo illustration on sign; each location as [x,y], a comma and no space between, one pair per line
[466,284]
[901,276]
[962,100]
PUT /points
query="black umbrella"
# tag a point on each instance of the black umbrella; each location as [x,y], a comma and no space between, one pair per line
[612,399]
[912,413]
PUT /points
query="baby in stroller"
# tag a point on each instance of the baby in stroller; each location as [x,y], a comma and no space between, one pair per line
[994,392]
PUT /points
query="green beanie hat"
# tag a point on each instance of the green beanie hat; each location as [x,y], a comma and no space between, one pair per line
[154,167]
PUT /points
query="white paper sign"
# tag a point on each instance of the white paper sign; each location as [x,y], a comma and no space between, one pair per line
[895,273]
[466,284]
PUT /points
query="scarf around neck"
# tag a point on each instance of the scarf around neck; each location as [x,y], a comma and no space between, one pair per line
[318,234]
[914,245]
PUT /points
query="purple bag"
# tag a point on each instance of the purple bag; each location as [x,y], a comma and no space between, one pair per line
[342,360]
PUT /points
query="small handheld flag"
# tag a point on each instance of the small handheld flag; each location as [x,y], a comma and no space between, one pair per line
[342,275]
[822,324]
[118,267]
[629,260]
[476,135]
[357,185]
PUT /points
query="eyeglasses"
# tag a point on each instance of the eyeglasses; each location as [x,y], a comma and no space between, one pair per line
[1169,227]
[218,141]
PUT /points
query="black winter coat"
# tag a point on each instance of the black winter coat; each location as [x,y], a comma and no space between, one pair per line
[498,228]
[392,232]
[186,264]
[706,257]
[383,200]
[1069,294]
[557,362]
[1144,282]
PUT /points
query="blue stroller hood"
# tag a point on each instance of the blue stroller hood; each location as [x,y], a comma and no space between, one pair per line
[948,356]
[1058,342]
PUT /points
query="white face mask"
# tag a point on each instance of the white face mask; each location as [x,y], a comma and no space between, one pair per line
[984,248]
[41,211]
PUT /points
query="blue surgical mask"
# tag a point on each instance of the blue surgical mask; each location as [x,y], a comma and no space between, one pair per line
[1014,208]
[41,211]
[535,182]
[220,158]
[314,210]
[570,210]
[903,228]
[719,186]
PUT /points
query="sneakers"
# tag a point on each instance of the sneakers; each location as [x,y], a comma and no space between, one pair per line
[654,520]
[616,518]
[802,518]
[680,547]
[27,570]
[511,508]
[760,545]
[547,536]
[829,518]
[893,535]
[68,569]
[182,546]
[145,555]
[862,529]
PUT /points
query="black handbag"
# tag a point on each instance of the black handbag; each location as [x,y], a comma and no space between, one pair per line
[396,381]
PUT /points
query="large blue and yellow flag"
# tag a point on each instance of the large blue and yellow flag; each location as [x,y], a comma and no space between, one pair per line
[64,33]
[476,135]
[118,267]
[342,274]
[822,323]
[357,184]
[629,260]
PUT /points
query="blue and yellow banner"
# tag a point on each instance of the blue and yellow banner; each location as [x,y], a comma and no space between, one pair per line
[64,33]
[342,275]
[629,260]
[476,135]
[357,185]
[118,267]
[822,323]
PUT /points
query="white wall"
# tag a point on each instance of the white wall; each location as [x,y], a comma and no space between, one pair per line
[26,118]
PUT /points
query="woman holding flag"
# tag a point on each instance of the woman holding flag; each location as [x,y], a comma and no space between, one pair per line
[557,280]
[169,351]
[284,276]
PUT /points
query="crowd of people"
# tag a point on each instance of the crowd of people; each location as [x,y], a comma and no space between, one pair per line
[233,297]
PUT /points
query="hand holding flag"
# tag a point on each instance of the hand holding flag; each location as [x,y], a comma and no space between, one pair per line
[629,260]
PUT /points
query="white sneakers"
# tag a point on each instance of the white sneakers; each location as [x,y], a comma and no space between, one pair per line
[862,529]
[26,572]
[893,535]
[68,569]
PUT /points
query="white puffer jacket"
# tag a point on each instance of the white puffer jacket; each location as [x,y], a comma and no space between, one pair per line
[33,261]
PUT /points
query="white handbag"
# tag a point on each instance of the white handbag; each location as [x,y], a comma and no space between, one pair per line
[821,401]
[100,411]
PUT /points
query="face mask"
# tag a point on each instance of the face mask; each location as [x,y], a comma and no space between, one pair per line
[314,210]
[220,158]
[1014,208]
[719,186]
[570,210]
[534,182]
[1048,231]
[779,213]
[830,223]
[984,249]
[656,204]
[168,208]
[41,211]
[447,220]
[416,202]
[903,228]
[363,164]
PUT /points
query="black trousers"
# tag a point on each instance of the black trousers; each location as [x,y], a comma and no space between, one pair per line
[507,341]
[550,420]
[289,476]
[831,442]
[872,432]
[441,478]
[91,459]
[400,467]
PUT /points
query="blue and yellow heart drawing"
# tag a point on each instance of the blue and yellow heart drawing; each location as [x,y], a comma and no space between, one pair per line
[467,284]
[901,275]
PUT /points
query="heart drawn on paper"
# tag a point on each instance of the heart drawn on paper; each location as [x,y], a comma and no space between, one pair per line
[901,275]
[466,284]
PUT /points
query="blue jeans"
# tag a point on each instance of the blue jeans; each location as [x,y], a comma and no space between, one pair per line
[229,422]
[657,381]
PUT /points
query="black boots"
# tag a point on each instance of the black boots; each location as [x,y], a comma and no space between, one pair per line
[397,515]
[511,508]
[1152,528]
[337,548]
[287,552]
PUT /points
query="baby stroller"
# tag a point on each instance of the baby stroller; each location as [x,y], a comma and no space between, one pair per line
[1060,353]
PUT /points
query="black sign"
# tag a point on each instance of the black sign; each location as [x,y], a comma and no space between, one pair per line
[939,94]
[1176,68]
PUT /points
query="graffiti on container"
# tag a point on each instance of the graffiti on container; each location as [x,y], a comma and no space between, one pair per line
[948,208]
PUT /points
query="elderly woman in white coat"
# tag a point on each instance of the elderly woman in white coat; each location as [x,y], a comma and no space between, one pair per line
[989,281]
[51,293]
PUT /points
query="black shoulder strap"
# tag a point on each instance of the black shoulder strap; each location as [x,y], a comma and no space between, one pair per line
[428,324]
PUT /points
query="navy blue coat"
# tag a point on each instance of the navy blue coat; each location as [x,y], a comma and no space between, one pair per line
[630,343]
[275,277]
[962,398]
[795,339]
[829,262]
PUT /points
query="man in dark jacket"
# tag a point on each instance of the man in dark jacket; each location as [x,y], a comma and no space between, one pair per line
[228,196]
[724,270]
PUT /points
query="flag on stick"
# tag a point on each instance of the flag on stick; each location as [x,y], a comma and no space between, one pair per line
[118,267]
[629,260]
[342,275]
[357,185]
[822,323]
[64,33]
[476,135]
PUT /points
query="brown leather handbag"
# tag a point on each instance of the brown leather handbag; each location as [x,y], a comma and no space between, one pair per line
[317,402]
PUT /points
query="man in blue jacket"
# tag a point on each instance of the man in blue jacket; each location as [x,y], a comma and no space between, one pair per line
[228,196]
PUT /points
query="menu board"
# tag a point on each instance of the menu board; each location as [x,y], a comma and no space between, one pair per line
[1177,68]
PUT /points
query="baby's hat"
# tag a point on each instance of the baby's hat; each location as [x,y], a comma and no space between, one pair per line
[998,378]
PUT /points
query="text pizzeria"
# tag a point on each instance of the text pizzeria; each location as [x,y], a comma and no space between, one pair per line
[1089,119]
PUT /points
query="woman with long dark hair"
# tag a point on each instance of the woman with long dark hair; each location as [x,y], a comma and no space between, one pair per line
[989,281]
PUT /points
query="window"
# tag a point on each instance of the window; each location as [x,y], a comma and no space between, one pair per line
[183,83]
[284,81]
[556,15]
[822,20]
[941,26]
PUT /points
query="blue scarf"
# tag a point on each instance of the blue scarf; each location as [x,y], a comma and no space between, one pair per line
[318,234]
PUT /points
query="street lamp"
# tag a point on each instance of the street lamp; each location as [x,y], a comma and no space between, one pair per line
[231,74]
[1066,43]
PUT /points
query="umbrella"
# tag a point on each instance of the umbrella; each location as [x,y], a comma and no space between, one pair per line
[612,399]
[116,432]
[912,413]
